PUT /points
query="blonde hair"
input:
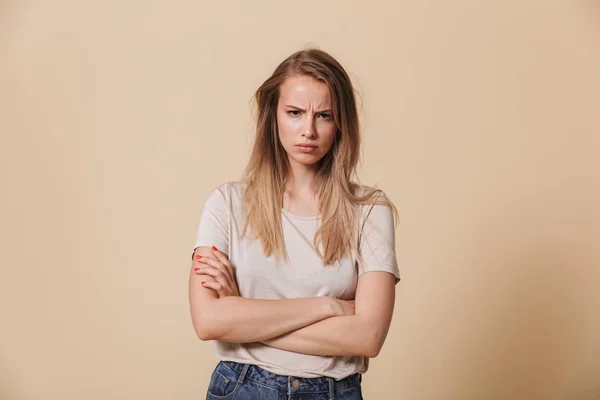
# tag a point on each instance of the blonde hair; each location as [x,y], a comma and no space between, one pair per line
[268,167]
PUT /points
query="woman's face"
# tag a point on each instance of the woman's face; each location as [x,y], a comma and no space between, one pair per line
[305,120]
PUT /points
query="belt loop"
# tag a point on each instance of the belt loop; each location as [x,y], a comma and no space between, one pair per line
[243,374]
[331,389]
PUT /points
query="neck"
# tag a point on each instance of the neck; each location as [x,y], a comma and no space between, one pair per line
[302,179]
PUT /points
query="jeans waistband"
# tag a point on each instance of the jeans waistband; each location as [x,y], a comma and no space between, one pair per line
[291,383]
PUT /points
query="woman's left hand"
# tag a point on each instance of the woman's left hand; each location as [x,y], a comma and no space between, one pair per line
[221,269]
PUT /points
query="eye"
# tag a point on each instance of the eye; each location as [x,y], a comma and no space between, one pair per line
[293,111]
[326,116]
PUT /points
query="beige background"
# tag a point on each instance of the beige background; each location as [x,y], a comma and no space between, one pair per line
[481,122]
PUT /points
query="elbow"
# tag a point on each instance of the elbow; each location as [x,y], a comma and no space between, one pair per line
[375,352]
[371,351]
[204,327]
[203,334]
[373,344]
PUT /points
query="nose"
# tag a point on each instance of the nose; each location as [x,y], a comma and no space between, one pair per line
[309,130]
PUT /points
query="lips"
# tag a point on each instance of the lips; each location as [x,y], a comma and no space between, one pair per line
[306,148]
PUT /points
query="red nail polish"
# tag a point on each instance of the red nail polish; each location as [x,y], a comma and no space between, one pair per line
[203,282]
[198,257]
[196,269]
[214,248]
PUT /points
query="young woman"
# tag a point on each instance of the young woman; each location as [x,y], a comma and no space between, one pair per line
[294,269]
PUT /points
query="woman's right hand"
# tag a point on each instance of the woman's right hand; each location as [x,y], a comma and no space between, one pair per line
[343,307]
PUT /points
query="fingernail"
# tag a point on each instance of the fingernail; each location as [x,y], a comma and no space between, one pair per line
[214,248]
[198,257]
[203,282]
[196,269]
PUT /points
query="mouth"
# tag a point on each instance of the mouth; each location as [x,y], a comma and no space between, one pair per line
[306,148]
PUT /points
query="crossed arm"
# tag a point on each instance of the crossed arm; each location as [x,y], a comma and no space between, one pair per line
[314,325]
[361,334]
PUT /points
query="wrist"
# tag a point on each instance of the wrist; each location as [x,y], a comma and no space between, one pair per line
[330,307]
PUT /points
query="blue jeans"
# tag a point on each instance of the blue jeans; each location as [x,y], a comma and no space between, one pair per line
[235,381]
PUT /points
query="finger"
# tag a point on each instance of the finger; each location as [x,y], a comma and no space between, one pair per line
[218,275]
[220,288]
[216,286]
[214,263]
[218,272]
[194,255]
[205,270]
[219,267]
[222,257]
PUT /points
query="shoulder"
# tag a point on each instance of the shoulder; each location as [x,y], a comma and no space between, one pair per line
[377,209]
[378,196]
[362,190]
[229,193]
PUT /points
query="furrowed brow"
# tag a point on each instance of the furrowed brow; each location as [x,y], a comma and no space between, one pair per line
[300,109]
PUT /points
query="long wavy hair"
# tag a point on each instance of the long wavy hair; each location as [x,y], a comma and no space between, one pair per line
[337,191]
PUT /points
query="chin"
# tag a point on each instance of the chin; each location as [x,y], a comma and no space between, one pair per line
[307,159]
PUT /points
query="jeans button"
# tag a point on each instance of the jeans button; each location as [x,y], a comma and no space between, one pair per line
[295,383]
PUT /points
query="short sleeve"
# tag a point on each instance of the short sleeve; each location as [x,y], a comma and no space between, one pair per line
[377,241]
[213,229]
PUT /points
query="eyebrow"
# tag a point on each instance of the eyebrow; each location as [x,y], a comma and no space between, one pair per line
[298,108]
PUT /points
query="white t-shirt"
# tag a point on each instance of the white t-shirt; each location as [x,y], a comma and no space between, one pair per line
[260,277]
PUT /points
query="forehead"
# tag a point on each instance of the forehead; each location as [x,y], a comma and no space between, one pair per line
[305,89]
